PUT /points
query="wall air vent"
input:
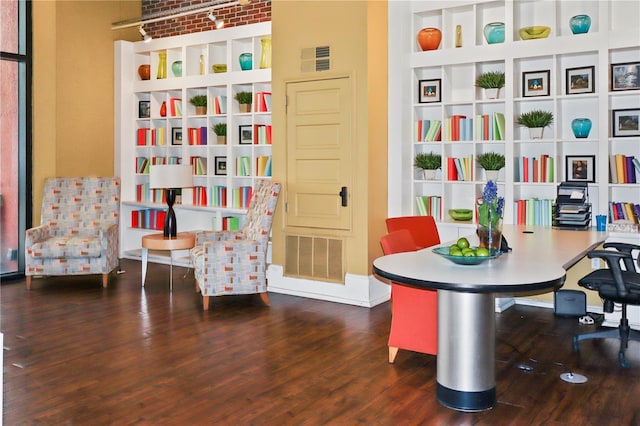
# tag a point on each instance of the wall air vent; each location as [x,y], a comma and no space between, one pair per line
[314,59]
[314,257]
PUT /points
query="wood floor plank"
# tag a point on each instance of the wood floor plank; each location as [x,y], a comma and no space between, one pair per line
[78,354]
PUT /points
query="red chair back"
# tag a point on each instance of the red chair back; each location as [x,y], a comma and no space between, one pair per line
[423,229]
[397,242]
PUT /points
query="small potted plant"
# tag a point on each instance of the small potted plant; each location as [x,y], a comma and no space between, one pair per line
[200,103]
[491,82]
[491,162]
[536,120]
[244,100]
[429,163]
[220,129]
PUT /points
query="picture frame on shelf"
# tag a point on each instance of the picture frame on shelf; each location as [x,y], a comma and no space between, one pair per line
[625,122]
[176,136]
[625,76]
[580,168]
[245,135]
[535,83]
[580,80]
[220,166]
[144,109]
[429,91]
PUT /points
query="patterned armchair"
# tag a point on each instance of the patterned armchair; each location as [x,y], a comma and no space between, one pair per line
[234,262]
[79,231]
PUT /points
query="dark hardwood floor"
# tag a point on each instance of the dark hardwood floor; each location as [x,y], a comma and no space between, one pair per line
[76,354]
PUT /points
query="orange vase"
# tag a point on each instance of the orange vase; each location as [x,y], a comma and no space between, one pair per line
[429,38]
[163,109]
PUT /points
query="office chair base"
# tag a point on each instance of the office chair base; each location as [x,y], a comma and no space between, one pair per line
[623,333]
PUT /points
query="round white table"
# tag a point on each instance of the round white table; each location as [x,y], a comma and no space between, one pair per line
[466,301]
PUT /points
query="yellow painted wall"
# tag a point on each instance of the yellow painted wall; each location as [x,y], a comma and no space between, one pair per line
[577,271]
[356,33]
[73,115]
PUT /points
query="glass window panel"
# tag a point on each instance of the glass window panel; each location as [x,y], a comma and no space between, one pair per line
[9,166]
[9,26]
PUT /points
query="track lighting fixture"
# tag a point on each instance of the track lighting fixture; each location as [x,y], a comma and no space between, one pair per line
[146,37]
[219,22]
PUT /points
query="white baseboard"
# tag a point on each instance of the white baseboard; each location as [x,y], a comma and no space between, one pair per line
[358,290]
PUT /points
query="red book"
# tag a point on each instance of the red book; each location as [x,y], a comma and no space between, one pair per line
[525,169]
[142,137]
[159,219]
[455,126]
[536,175]
[135,219]
[485,127]
[452,172]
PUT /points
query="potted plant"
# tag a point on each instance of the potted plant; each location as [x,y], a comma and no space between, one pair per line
[220,129]
[491,82]
[429,163]
[536,120]
[244,100]
[200,102]
[491,162]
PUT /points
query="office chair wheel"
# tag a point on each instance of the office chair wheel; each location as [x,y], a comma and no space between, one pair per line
[576,344]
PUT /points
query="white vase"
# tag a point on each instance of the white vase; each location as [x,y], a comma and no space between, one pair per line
[536,132]
[493,93]
[492,175]
[429,174]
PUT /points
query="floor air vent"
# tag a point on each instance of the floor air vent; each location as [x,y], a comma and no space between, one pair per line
[314,257]
[315,59]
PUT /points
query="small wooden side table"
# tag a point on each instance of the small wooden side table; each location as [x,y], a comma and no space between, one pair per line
[182,241]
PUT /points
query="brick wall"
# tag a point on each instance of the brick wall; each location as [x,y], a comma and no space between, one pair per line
[233,16]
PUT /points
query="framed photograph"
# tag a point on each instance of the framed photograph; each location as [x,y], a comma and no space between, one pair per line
[625,122]
[580,80]
[535,83]
[176,136]
[221,166]
[245,136]
[144,109]
[580,168]
[625,76]
[429,91]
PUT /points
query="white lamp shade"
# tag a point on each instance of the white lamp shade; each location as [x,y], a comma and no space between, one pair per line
[170,176]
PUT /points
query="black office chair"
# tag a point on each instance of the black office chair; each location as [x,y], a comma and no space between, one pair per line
[615,285]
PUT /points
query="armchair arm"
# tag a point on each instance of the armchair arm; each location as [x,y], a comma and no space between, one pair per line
[37,234]
[213,236]
[109,245]
[613,262]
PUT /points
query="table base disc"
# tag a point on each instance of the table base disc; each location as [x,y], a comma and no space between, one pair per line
[466,401]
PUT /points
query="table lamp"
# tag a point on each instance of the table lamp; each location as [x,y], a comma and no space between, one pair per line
[170,177]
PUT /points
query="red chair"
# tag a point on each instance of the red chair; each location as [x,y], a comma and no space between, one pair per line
[414,312]
[423,229]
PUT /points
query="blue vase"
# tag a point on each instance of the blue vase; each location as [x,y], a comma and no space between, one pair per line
[246,61]
[581,127]
[580,24]
[494,32]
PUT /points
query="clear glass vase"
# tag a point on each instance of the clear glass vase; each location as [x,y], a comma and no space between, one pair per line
[489,227]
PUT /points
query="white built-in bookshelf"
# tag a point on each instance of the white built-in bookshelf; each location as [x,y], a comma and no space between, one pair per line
[612,39]
[223,172]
